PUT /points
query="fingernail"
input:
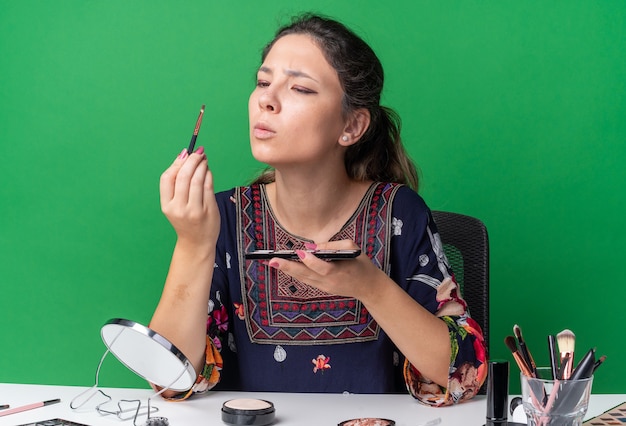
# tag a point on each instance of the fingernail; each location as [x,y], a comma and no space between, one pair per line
[310,246]
[273,264]
[301,254]
[200,150]
[183,154]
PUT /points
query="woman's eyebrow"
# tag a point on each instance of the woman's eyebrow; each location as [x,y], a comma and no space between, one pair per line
[295,73]
[289,72]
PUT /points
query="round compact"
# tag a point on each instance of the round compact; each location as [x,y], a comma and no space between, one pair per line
[367,421]
[256,412]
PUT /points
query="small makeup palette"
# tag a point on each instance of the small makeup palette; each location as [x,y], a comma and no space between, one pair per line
[256,412]
[614,416]
[367,421]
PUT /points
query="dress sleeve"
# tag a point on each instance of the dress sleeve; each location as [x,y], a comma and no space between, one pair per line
[421,267]
[208,377]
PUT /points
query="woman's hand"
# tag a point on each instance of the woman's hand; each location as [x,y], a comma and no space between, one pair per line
[351,277]
[188,199]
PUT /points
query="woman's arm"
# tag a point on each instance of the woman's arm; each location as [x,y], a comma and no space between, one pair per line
[188,201]
[419,335]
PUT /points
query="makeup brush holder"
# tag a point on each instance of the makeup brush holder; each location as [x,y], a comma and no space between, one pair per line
[549,402]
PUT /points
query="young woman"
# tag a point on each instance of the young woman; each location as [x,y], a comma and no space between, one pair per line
[338,178]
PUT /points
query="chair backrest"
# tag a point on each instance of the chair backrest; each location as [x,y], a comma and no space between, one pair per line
[466,244]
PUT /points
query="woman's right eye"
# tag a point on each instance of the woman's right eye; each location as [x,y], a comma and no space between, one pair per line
[262,83]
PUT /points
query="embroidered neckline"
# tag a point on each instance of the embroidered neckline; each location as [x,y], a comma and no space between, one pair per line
[281,310]
[362,204]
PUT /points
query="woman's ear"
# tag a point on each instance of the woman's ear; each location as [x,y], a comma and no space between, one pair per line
[356,125]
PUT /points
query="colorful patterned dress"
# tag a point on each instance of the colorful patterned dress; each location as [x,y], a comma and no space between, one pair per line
[271,332]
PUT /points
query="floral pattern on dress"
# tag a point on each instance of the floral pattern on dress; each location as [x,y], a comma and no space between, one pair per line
[321,363]
[217,323]
[464,380]
[239,310]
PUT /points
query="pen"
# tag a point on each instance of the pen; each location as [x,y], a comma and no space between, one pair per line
[192,144]
[29,407]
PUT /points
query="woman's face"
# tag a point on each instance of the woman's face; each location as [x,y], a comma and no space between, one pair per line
[295,110]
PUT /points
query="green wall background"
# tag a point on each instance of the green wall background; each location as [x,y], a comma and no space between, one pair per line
[515,112]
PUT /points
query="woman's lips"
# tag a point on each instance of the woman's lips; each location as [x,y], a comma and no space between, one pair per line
[262,131]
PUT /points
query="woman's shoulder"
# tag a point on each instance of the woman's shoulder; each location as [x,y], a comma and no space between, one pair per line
[406,198]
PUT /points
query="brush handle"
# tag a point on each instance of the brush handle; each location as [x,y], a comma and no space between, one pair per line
[585,367]
[526,356]
[565,366]
[196,130]
[569,394]
[192,144]
[554,365]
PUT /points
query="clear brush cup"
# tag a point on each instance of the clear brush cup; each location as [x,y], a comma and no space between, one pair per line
[555,402]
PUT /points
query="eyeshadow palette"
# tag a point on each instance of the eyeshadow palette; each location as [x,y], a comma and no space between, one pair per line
[614,416]
[54,422]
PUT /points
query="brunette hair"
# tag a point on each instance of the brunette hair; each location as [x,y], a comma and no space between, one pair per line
[379,155]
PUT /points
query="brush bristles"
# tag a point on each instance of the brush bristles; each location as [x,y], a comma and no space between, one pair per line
[566,341]
[518,332]
[510,342]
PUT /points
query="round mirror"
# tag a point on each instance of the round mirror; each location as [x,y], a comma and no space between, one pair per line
[148,354]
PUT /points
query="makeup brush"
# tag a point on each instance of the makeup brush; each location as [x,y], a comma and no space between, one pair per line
[192,144]
[512,345]
[584,369]
[554,357]
[564,363]
[528,358]
[566,341]
[599,363]
[537,390]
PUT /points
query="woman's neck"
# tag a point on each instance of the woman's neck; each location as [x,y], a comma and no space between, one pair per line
[315,208]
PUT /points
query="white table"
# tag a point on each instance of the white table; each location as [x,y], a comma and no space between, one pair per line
[291,409]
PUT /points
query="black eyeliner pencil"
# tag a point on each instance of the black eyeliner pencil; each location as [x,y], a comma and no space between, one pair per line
[4,407]
[196,130]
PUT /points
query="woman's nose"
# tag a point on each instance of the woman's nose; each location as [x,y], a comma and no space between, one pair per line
[269,102]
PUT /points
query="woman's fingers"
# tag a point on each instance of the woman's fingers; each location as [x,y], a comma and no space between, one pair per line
[185,183]
[185,174]
[342,277]
[168,178]
[306,270]
[196,193]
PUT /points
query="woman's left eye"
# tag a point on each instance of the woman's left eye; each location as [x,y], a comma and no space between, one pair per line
[303,90]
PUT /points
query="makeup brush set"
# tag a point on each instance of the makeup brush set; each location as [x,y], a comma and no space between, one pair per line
[561,390]
[561,349]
